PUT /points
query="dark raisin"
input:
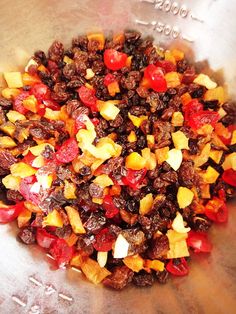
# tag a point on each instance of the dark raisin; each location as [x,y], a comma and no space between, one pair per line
[81,42]
[69,70]
[95,190]
[5,103]
[56,51]
[170,176]
[132,36]
[158,247]
[143,279]
[6,159]
[193,146]
[162,276]
[48,152]
[118,121]
[40,57]
[187,175]
[14,196]
[200,224]
[27,235]
[182,66]
[136,239]
[95,222]
[85,171]
[63,232]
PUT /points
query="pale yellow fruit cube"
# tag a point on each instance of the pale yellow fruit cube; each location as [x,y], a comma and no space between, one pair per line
[174,158]
[108,110]
[184,197]
[13,79]
[180,140]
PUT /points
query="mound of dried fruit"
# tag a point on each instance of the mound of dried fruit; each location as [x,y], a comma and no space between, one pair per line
[115,157]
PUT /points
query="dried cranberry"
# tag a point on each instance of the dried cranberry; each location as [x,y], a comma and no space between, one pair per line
[68,151]
[104,240]
[61,252]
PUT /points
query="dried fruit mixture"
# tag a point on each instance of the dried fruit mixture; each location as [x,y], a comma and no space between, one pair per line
[116,157]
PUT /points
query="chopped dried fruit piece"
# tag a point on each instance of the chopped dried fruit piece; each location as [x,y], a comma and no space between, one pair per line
[155,265]
[134,178]
[99,38]
[102,258]
[110,209]
[11,182]
[178,245]
[114,60]
[184,197]
[156,78]
[87,96]
[13,79]
[10,93]
[7,142]
[68,151]
[134,262]
[204,80]
[103,180]
[61,252]
[24,218]
[104,240]
[177,119]
[137,121]
[180,140]
[217,93]
[75,220]
[135,161]
[69,190]
[53,219]
[178,222]
[93,271]
[22,170]
[229,176]
[108,110]
[178,268]
[174,158]
[150,159]
[172,79]
[230,162]
[210,175]
[132,137]
[9,213]
[146,204]
[216,210]
[121,247]
[199,242]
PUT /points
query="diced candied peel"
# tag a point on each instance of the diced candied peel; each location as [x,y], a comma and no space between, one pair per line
[204,80]
[210,175]
[68,60]
[185,98]
[52,114]
[150,140]
[154,264]
[7,142]
[77,260]
[97,200]
[30,103]
[103,180]
[121,247]
[177,54]
[206,129]
[146,204]
[174,158]
[217,93]
[177,119]
[215,140]
[38,162]
[135,161]
[203,157]
[132,137]
[30,79]
[184,197]
[13,79]
[230,162]
[205,191]
[169,56]
[75,220]
[134,262]
[24,218]
[89,74]
[177,243]
[93,271]
[162,154]
[45,180]
[113,88]
[233,139]
[128,217]
[216,155]
[178,224]
[8,128]
[69,190]
[150,158]
[11,182]
[137,121]
[108,110]
[72,239]
[102,258]
[32,207]
[10,93]
[98,37]
[172,79]
[38,149]
[180,140]
[22,170]
[53,219]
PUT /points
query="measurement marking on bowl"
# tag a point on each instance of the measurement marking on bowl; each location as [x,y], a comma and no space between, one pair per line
[196,18]
[35,281]
[35,309]
[49,289]
[18,301]
[65,297]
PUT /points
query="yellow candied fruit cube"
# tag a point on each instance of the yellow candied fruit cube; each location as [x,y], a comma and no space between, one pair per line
[137,121]
[177,54]
[69,190]
[177,243]
[98,37]
[13,79]
[89,74]
[185,98]
[172,79]
[150,140]
[134,262]
[72,239]
[68,60]
[103,180]
[150,158]
[24,217]
[108,110]
[53,219]
[161,154]
[77,260]
[93,271]
[205,190]
[169,56]
[178,224]
[11,182]
[132,137]
[233,139]
[177,119]
[180,140]
[113,88]
[184,197]
[216,155]
[14,116]
[22,170]
[30,103]
[75,220]
[8,128]
[52,114]
[230,162]
[10,93]
[204,80]
[7,142]
[135,161]
[38,149]
[155,265]
[145,204]
[217,93]
[97,200]
[210,175]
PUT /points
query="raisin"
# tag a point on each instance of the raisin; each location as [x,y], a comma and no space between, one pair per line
[187,175]
[95,222]
[170,176]
[132,36]
[118,121]
[143,279]
[136,239]
[6,159]
[162,276]
[95,190]
[81,42]
[158,247]
[63,232]
[27,235]
[5,103]
[69,70]
[121,276]
[14,196]
[56,51]
[85,171]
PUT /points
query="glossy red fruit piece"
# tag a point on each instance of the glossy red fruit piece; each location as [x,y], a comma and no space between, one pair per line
[197,120]
[10,213]
[110,209]
[40,91]
[114,60]
[199,242]
[216,210]
[28,158]
[87,96]
[44,239]
[18,102]
[134,178]
[166,65]
[229,176]
[51,104]
[24,190]
[52,66]
[108,79]
[178,268]
[192,107]
[61,252]
[155,77]
[104,241]
[68,151]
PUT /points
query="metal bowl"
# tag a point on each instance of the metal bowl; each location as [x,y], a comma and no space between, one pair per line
[204,29]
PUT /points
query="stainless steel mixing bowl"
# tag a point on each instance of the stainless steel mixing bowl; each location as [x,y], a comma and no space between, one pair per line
[205,27]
